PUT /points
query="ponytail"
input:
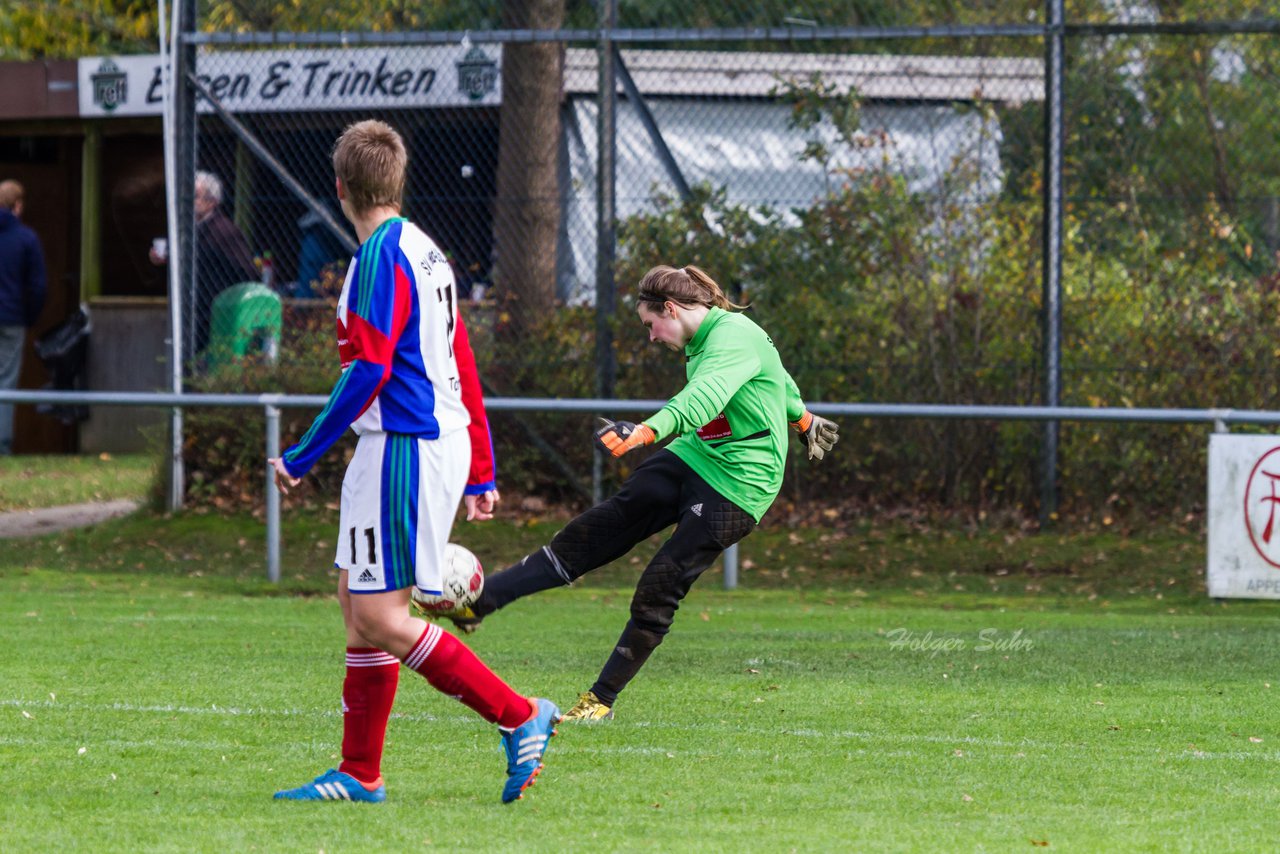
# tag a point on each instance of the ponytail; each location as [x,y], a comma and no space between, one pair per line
[688,286]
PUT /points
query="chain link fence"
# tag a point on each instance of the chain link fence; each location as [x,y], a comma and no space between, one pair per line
[1170,295]
[877,197]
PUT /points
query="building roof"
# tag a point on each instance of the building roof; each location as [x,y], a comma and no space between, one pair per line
[756,74]
[50,89]
[38,89]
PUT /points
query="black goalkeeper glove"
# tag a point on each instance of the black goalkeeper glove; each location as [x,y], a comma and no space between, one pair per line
[618,437]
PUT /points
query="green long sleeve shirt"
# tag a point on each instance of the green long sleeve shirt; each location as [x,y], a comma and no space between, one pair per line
[731,419]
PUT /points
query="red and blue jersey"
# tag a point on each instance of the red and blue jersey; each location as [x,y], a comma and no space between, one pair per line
[407,366]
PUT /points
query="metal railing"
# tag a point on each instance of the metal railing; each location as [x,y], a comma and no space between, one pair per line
[272,404]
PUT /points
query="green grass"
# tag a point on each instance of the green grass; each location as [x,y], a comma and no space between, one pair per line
[32,482]
[154,691]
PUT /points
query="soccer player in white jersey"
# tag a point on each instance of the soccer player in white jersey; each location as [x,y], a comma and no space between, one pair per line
[410,390]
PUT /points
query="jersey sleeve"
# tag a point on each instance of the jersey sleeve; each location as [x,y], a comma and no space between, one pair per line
[379,302]
[482,476]
[357,386]
[794,403]
[729,362]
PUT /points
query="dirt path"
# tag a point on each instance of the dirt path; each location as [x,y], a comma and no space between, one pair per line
[33,523]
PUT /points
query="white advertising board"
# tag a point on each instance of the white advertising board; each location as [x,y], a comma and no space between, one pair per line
[1244,516]
[267,81]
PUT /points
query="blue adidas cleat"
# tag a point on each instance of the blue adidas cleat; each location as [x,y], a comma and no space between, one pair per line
[334,785]
[525,745]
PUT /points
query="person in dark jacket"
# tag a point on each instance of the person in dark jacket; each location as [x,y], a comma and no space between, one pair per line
[223,257]
[317,249]
[22,294]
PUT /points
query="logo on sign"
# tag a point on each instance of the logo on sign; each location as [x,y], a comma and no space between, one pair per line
[1262,507]
[477,74]
[110,85]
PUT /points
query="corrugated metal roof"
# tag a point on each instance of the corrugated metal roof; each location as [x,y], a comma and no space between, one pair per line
[755,74]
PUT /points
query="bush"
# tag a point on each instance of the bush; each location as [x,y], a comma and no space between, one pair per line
[869,298]
[882,293]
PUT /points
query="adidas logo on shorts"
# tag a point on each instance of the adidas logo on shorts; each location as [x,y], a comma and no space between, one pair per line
[366,577]
[697,509]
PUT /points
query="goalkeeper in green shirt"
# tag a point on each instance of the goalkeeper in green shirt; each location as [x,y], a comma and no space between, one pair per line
[714,481]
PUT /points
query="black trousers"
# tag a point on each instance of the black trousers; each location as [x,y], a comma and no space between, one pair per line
[661,492]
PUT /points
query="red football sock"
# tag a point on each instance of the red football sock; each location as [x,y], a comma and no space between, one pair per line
[367,696]
[453,669]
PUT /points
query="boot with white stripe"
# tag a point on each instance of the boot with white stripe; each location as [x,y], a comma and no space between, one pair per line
[524,746]
[334,785]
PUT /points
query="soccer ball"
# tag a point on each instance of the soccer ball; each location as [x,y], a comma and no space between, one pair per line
[461,580]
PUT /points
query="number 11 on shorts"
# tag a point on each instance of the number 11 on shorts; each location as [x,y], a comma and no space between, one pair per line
[372,545]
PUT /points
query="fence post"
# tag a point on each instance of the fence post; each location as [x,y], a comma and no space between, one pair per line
[1052,272]
[273,495]
[182,231]
[731,567]
[606,213]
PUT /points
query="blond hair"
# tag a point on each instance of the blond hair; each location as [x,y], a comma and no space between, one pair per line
[10,194]
[370,159]
[687,286]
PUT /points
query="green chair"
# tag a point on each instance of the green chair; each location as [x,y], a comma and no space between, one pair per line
[245,321]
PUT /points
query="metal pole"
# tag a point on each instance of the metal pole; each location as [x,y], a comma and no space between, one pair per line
[169,43]
[273,495]
[586,405]
[731,567]
[1053,204]
[597,477]
[606,214]
[650,124]
[273,164]
[180,168]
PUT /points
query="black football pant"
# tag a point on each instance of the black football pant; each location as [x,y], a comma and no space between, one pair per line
[661,492]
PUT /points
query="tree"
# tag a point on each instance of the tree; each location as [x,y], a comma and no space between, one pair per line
[348,15]
[56,29]
[527,208]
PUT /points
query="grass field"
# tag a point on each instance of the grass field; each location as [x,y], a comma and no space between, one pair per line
[891,688]
[32,482]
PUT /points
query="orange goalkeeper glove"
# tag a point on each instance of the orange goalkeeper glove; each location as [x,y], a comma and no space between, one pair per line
[618,437]
[819,434]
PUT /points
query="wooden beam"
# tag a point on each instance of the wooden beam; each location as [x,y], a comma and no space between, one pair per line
[91,213]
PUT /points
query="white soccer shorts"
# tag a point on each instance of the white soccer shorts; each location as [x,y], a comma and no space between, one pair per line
[399,498]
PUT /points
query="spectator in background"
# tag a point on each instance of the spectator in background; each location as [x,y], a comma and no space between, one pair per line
[223,258]
[318,248]
[22,293]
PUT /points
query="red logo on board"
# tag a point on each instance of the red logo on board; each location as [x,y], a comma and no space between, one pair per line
[716,428]
[1262,506]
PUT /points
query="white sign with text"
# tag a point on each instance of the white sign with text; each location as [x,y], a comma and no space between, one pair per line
[1244,516]
[301,80]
